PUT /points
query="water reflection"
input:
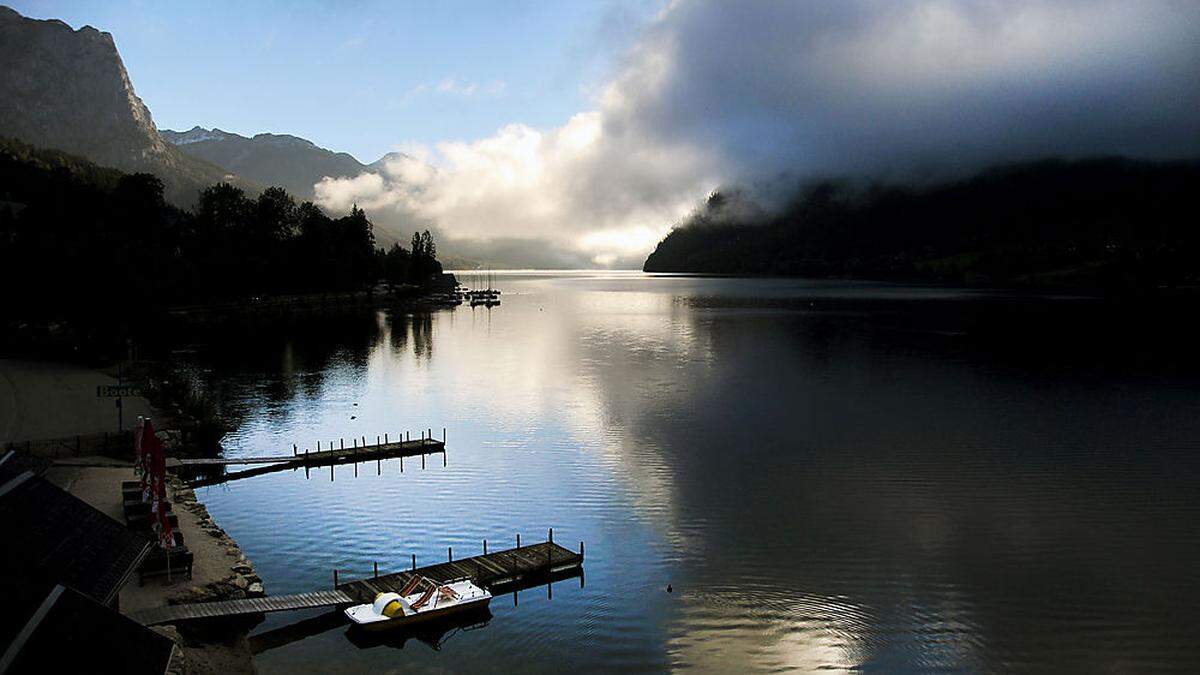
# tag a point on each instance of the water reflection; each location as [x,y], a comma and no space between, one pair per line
[830,475]
[433,634]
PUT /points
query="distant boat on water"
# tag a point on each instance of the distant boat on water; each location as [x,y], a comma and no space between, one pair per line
[486,297]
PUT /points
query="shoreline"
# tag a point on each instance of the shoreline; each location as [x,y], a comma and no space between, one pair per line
[57,400]
[221,570]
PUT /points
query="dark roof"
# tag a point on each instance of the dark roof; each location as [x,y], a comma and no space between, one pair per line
[51,533]
[13,463]
[93,635]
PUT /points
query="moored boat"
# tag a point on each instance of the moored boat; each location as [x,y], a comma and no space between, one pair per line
[421,600]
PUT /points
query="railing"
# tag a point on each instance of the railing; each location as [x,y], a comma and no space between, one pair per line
[110,444]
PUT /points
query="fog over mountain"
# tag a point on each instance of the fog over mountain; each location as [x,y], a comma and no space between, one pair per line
[768,94]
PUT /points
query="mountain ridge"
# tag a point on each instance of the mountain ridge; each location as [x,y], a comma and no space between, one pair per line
[91,108]
[289,161]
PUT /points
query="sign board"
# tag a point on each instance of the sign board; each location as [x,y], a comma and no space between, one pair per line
[117,390]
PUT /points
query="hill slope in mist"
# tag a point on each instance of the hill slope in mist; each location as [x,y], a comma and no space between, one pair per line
[68,90]
[1104,222]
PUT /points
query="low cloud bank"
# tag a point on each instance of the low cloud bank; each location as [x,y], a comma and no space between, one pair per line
[765,94]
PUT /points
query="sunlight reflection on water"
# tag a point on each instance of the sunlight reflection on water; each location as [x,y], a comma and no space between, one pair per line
[831,475]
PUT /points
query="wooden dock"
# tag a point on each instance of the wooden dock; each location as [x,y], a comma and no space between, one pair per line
[494,571]
[308,459]
[226,608]
[356,452]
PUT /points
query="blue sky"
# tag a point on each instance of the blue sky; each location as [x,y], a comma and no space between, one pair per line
[363,77]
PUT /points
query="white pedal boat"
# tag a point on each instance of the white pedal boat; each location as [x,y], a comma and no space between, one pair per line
[422,599]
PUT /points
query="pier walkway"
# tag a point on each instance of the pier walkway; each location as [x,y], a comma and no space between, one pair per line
[308,459]
[492,570]
[358,453]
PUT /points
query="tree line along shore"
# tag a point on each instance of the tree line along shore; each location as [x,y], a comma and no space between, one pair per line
[92,252]
[1110,224]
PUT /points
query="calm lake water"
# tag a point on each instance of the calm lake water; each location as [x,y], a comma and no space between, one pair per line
[830,476]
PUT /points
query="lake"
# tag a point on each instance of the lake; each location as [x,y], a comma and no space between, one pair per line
[829,475]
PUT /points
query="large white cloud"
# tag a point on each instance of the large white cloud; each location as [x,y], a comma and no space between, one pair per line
[721,92]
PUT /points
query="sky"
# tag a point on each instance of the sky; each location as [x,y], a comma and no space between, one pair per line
[577,133]
[360,76]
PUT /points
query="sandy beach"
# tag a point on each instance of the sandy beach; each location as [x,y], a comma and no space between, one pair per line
[47,399]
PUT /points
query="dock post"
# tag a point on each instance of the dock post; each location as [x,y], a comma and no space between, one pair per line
[443,435]
[364,440]
[422,460]
[581,549]
[449,554]
[401,463]
[335,583]
[356,469]
[318,447]
[443,456]
[414,562]
[376,564]
[341,443]
[330,473]
[407,437]
[552,535]
[485,546]
[376,439]
[295,450]
[518,540]
[379,467]
[385,439]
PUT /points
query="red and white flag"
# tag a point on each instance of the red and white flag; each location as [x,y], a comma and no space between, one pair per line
[156,469]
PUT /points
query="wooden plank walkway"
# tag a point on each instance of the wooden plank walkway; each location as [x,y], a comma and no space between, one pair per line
[361,453]
[307,460]
[223,608]
[493,570]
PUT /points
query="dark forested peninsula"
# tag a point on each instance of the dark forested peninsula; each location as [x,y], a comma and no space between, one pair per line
[79,241]
[1108,223]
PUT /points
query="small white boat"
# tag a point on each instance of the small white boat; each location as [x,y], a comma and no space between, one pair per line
[422,599]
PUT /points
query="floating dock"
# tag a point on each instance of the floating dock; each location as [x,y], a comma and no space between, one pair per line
[357,453]
[492,570]
[511,567]
[308,459]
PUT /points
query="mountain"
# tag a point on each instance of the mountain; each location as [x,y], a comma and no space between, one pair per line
[68,90]
[1111,223]
[269,159]
[380,165]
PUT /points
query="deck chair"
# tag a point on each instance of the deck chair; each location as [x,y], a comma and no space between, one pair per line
[424,598]
[411,586]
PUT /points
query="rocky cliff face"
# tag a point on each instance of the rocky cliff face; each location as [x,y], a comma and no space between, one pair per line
[290,162]
[68,89]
